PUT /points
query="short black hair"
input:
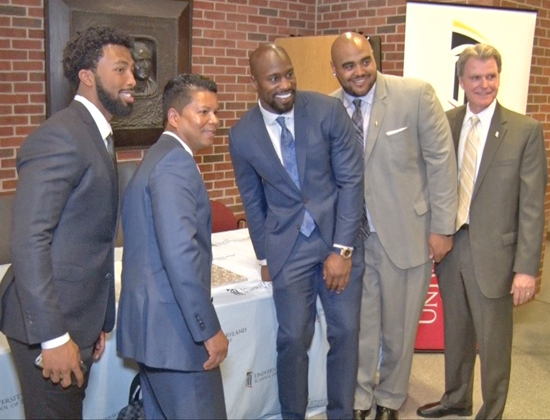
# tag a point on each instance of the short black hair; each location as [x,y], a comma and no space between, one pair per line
[86,48]
[178,91]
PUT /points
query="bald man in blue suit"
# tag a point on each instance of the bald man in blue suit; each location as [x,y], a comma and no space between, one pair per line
[304,210]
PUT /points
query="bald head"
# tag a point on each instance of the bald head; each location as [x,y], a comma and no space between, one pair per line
[272,74]
[347,40]
[266,53]
[353,63]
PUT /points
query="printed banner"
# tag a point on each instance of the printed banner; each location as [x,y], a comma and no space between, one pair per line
[436,34]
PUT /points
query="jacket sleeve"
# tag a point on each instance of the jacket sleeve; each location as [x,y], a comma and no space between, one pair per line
[533,179]
[48,168]
[347,164]
[438,151]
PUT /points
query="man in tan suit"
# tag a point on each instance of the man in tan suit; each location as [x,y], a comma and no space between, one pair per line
[495,260]
[411,202]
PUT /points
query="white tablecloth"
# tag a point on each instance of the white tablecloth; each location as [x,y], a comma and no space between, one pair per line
[247,315]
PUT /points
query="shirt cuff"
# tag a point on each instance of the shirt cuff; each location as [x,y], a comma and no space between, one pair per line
[262,262]
[56,342]
[342,246]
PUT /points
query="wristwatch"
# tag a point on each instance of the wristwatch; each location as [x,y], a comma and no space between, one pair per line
[344,252]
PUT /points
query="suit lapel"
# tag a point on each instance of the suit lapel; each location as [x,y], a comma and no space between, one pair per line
[301,134]
[376,115]
[96,136]
[496,134]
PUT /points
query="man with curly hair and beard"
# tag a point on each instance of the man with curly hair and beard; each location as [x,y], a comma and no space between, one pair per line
[57,301]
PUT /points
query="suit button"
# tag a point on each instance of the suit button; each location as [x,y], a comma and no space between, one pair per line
[298,227]
[305,201]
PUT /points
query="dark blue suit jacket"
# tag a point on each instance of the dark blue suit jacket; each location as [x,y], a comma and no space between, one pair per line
[165,312]
[330,167]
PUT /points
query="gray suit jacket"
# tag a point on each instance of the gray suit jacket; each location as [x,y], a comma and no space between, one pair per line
[330,170]
[165,312]
[507,209]
[64,220]
[410,169]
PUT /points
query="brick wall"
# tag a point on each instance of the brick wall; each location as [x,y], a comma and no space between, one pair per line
[224,32]
[22,79]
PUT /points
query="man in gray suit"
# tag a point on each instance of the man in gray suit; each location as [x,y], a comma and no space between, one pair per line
[166,319]
[299,172]
[60,300]
[410,198]
[495,261]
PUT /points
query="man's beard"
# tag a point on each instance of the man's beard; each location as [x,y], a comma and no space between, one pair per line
[115,106]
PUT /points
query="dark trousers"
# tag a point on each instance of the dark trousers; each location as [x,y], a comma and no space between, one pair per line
[42,399]
[474,321]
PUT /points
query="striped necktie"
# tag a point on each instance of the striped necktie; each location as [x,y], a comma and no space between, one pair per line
[467,173]
[357,119]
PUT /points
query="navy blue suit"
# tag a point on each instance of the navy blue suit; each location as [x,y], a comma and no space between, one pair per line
[330,168]
[165,310]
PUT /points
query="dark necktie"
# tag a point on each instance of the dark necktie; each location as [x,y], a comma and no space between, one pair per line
[111,149]
[288,151]
[357,119]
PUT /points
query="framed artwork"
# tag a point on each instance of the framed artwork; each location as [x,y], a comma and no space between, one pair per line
[162,33]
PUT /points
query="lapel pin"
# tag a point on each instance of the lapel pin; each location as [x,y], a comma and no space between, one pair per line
[496,134]
[376,123]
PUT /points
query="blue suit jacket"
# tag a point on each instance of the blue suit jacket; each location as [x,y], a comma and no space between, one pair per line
[330,167]
[165,311]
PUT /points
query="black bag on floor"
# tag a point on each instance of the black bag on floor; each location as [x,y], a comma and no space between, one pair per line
[134,409]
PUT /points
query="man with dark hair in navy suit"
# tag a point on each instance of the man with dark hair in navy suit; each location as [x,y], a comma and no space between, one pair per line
[166,319]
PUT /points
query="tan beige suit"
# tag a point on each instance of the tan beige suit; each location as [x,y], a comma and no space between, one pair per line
[410,192]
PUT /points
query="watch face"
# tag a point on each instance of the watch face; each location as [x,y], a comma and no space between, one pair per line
[346,253]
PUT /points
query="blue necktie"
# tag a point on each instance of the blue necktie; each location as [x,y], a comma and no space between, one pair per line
[288,150]
[357,119]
